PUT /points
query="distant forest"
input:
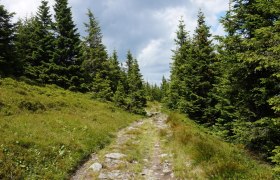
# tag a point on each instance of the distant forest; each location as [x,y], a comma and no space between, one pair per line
[232,86]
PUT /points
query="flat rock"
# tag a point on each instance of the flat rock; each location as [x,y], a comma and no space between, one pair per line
[103,176]
[115,155]
[163,155]
[96,167]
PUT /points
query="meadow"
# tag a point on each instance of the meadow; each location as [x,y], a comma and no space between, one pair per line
[47,132]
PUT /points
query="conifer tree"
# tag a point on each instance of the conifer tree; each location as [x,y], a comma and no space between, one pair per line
[8,62]
[41,45]
[136,93]
[200,79]
[25,43]
[96,62]
[176,92]
[120,96]
[164,89]
[66,66]
[251,81]
[115,71]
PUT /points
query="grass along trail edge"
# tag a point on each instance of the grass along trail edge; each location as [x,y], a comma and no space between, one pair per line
[136,153]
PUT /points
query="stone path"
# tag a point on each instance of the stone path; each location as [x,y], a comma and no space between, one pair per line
[137,153]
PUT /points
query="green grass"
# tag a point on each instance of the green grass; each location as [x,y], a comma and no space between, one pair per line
[200,155]
[46,132]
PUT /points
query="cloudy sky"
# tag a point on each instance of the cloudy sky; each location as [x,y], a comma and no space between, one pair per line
[146,27]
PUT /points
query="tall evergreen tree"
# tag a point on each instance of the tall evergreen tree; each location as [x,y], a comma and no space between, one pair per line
[66,66]
[41,44]
[164,89]
[8,62]
[252,82]
[200,84]
[25,43]
[176,93]
[115,71]
[136,94]
[96,62]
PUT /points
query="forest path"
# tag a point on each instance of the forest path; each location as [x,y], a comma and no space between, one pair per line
[137,153]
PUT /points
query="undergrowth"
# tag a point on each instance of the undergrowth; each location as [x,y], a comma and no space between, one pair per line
[46,132]
[199,154]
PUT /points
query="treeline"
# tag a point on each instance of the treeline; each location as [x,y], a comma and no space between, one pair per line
[42,51]
[232,87]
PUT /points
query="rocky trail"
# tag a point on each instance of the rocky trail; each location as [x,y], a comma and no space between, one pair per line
[137,153]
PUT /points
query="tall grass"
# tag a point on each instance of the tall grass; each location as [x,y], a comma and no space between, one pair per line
[46,131]
[200,155]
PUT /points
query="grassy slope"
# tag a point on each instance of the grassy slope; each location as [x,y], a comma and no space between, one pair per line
[47,131]
[200,155]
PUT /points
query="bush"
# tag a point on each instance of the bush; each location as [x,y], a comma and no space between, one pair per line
[32,106]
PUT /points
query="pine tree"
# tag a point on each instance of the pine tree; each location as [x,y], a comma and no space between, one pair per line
[250,51]
[96,62]
[202,76]
[115,71]
[136,100]
[120,96]
[164,89]
[66,66]
[8,61]
[176,92]
[41,44]
[25,43]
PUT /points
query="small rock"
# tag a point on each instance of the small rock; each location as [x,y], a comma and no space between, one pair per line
[145,172]
[103,176]
[115,155]
[163,155]
[114,174]
[96,167]
[145,160]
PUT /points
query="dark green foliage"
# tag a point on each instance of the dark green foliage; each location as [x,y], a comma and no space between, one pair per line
[8,62]
[192,73]
[248,90]
[120,96]
[153,92]
[66,63]
[130,90]
[96,62]
[26,45]
[176,93]
[200,74]
[136,93]
[164,90]
[35,44]
[115,71]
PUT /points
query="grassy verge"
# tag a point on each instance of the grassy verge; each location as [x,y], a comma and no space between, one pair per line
[200,155]
[46,131]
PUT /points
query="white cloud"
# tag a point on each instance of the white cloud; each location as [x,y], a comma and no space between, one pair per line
[154,60]
[23,8]
[145,27]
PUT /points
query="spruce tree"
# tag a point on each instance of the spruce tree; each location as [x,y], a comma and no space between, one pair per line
[95,56]
[8,61]
[202,76]
[25,42]
[115,71]
[66,66]
[164,89]
[120,96]
[41,45]
[252,81]
[176,92]
[136,97]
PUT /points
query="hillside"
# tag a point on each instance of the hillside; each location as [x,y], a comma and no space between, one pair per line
[47,131]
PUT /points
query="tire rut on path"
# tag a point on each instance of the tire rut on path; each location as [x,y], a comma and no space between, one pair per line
[137,153]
